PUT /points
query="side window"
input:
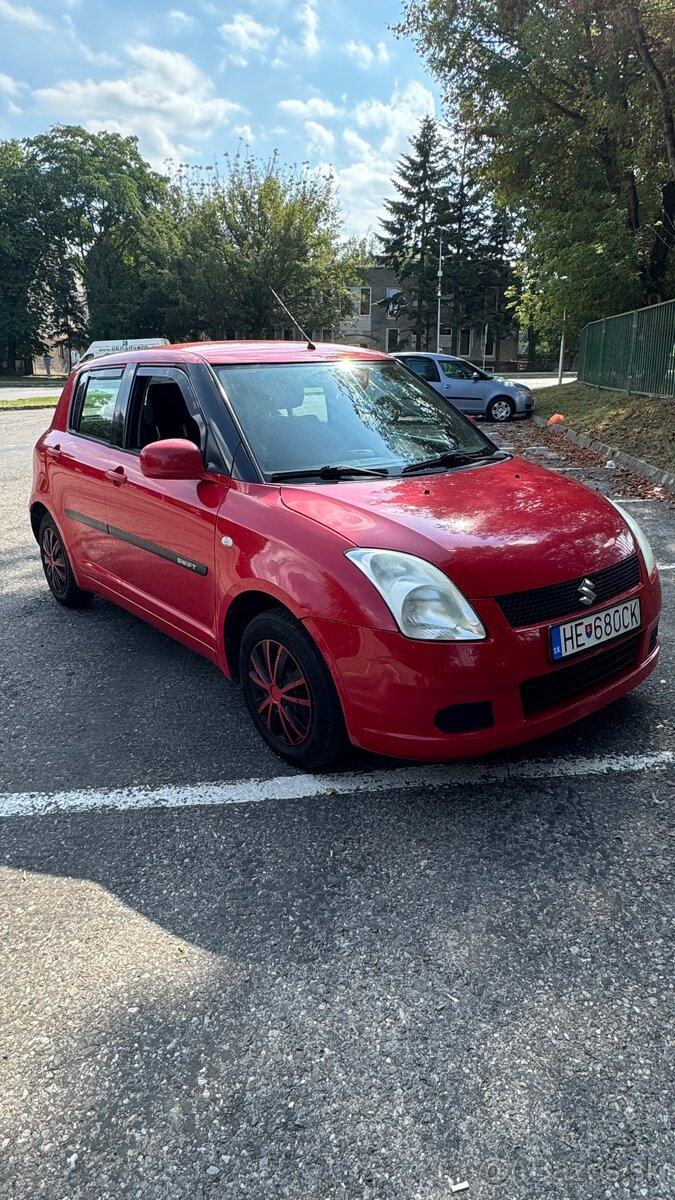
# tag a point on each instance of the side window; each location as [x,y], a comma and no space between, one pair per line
[457,370]
[424,367]
[158,410]
[94,408]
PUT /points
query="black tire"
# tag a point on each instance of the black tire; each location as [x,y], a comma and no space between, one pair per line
[302,722]
[497,409]
[57,568]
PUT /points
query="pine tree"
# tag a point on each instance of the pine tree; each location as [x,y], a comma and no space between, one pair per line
[411,230]
[476,270]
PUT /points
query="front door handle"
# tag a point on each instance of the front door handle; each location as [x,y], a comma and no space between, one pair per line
[116,475]
[53,453]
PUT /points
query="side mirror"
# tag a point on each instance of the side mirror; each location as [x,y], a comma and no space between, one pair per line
[172,458]
[476,376]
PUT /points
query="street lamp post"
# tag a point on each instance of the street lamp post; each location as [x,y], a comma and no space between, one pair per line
[439,294]
[561,360]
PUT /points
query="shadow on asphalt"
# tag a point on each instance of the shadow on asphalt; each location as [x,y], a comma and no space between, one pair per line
[398,989]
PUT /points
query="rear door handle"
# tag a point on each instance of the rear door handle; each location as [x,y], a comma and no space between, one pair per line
[53,453]
[116,475]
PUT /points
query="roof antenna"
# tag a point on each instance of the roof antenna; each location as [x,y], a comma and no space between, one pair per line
[310,343]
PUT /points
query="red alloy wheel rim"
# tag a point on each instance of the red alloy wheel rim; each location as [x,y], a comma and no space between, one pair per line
[54,560]
[281,693]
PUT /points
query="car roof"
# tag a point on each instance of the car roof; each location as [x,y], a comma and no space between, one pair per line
[241,352]
[427,354]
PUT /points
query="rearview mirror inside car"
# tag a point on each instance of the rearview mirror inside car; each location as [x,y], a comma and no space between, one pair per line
[172,458]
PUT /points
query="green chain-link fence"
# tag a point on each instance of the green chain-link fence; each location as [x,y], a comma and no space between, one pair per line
[634,352]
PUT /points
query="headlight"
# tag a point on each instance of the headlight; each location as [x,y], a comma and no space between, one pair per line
[425,604]
[639,535]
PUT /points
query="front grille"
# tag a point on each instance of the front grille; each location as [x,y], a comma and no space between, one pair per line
[560,599]
[567,683]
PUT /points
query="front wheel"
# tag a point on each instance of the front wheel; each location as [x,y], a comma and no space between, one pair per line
[500,409]
[289,692]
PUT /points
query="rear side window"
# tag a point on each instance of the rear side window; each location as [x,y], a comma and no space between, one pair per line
[424,367]
[94,408]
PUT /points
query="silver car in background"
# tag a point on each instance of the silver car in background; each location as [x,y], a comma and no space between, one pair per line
[471,390]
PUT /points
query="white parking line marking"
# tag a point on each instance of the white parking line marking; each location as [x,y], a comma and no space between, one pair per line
[666,566]
[309,787]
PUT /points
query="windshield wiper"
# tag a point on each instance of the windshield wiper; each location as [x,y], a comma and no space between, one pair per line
[452,458]
[329,472]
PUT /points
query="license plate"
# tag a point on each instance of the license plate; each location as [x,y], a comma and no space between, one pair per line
[587,632]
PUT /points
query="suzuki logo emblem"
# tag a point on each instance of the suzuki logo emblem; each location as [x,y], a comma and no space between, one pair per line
[587,592]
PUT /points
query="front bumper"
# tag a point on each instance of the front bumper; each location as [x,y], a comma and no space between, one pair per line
[524,404]
[392,689]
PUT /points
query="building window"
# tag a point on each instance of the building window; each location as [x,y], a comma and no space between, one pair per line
[393,300]
[490,344]
[464,341]
[327,335]
[391,340]
[364,302]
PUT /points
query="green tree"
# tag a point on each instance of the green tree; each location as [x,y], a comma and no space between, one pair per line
[104,195]
[411,230]
[476,269]
[573,104]
[24,303]
[260,226]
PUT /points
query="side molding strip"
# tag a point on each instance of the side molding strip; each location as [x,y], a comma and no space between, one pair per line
[121,535]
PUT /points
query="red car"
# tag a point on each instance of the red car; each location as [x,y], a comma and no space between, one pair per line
[359,556]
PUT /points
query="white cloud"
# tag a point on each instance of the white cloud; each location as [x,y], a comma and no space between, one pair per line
[14,108]
[308,19]
[180,22]
[100,57]
[245,132]
[164,99]
[244,35]
[358,147]
[364,56]
[366,181]
[11,87]
[319,139]
[314,107]
[22,14]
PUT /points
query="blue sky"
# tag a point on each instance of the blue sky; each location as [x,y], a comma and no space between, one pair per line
[323,80]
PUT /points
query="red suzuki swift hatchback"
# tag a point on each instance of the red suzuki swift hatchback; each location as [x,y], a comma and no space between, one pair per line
[360,557]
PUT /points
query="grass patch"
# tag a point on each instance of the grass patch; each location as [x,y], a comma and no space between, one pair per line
[29,402]
[639,425]
[30,381]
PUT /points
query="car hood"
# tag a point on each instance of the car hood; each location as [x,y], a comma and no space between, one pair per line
[512,384]
[498,528]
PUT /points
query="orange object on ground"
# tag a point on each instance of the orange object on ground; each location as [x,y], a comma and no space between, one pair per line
[555,419]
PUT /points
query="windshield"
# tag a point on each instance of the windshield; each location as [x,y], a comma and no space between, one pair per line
[351,413]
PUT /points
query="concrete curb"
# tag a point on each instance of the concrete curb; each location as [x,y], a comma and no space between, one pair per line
[639,466]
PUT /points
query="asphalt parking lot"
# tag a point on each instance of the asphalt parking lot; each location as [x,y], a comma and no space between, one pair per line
[222,979]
